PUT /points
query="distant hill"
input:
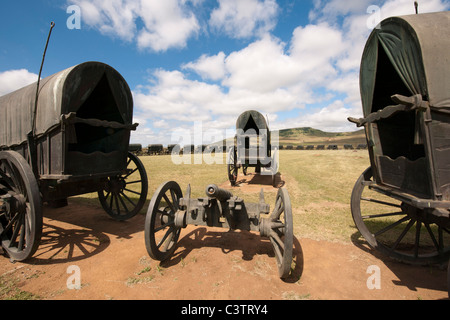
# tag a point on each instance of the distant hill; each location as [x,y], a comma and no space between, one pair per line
[307,135]
[310,136]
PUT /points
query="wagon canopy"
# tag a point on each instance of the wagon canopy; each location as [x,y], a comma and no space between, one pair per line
[407,55]
[78,89]
[252,120]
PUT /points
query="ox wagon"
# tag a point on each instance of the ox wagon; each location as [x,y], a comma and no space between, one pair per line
[252,147]
[401,203]
[75,142]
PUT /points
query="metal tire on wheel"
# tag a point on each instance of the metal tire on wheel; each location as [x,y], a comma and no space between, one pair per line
[20,207]
[395,228]
[232,166]
[279,228]
[161,233]
[117,199]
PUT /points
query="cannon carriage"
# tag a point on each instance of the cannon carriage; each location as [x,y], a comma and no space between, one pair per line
[401,203]
[170,211]
[79,145]
[252,147]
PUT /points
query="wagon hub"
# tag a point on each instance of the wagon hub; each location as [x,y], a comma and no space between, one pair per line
[115,185]
[13,204]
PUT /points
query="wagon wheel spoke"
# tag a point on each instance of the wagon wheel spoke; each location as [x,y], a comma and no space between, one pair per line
[381,202]
[405,235]
[161,233]
[21,214]
[391,214]
[124,196]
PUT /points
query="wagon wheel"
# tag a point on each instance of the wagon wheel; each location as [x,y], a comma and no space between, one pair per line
[20,207]
[118,197]
[232,166]
[279,228]
[161,233]
[395,228]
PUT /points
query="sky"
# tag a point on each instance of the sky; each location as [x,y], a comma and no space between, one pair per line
[195,65]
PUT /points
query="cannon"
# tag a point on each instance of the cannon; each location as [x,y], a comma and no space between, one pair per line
[78,144]
[170,211]
[252,147]
[401,203]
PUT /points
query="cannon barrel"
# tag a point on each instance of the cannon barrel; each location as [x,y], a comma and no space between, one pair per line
[213,191]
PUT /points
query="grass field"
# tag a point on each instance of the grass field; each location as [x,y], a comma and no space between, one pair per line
[319,183]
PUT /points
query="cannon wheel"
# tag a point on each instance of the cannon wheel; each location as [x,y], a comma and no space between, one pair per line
[161,234]
[20,207]
[117,199]
[395,228]
[281,234]
[232,166]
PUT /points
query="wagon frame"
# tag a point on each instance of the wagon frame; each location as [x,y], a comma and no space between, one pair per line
[252,147]
[79,145]
[401,203]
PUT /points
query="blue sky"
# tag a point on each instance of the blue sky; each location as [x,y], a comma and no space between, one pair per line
[296,61]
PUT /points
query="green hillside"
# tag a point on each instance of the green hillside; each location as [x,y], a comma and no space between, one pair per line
[307,136]
[310,136]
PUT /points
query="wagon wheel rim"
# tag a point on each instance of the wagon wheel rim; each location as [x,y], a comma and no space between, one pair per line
[232,166]
[392,228]
[161,233]
[281,232]
[118,197]
[20,209]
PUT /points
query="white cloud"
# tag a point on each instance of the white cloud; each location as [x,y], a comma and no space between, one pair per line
[111,17]
[12,80]
[244,18]
[209,67]
[166,24]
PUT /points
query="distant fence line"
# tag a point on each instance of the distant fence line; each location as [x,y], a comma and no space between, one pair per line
[159,149]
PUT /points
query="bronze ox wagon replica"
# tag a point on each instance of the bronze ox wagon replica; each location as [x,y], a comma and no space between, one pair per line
[75,142]
[252,147]
[401,203]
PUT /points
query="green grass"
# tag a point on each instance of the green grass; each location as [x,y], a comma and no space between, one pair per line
[319,183]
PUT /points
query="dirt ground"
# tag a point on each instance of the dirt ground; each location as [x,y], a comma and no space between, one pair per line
[209,264]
